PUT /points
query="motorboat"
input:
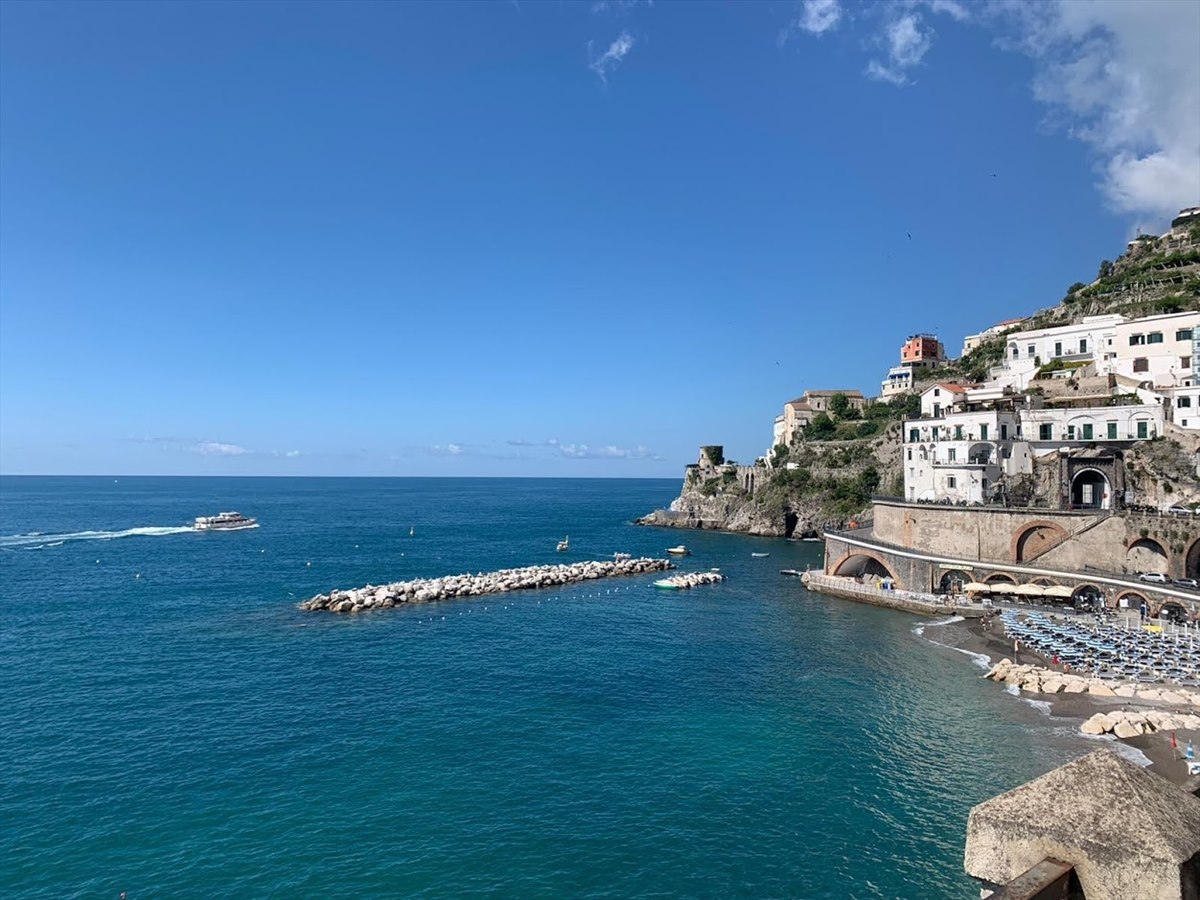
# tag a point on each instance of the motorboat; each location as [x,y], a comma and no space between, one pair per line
[564,544]
[667,584]
[760,555]
[226,521]
[679,551]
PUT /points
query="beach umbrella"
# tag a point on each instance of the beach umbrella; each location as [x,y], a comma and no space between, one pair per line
[1029,590]
[976,586]
[1058,590]
[1002,587]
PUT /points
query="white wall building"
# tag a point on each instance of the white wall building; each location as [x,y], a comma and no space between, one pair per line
[959,456]
[899,381]
[1083,342]
[971,341]
[1157,349]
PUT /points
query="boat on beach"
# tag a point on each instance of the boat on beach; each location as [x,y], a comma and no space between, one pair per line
[226,521]
[679,551]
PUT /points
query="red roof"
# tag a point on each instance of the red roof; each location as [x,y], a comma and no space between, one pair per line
[951,386]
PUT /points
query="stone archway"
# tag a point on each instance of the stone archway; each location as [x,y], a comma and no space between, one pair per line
[1173,611]
[1133,599]
[1146,555]
[952,581]
[1000,578]
[1034,539]
[1090,490]
[856,562]
[1088,596]
[1191,560]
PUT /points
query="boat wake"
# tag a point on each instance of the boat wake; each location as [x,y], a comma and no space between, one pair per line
[35,540]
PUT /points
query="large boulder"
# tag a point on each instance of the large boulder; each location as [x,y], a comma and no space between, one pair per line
[1125,730]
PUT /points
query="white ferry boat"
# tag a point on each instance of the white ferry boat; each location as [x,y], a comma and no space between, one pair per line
[226,521]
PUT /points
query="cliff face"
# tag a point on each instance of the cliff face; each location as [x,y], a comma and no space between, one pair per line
[828,484]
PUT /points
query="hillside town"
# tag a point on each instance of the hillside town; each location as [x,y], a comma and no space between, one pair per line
[1067,441]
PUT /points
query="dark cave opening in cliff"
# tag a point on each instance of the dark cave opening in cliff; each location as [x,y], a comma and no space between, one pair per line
[790,521]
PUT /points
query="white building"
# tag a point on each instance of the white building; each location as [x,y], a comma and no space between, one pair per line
[958,453]
[960,456]
[1158,350]
[899,381]
[1071,345]
[971,341]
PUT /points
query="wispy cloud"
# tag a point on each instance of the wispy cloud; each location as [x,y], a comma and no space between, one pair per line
[610,58]
[906,41]
[292,454]
[609,451]
[616,6]
[815,17]
[1124,78]
[217,448]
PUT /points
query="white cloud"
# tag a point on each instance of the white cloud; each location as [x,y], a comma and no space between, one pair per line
[609,451]
[907,42]
[292,454]
[608,60]
[816,17]
[216,448]
[952,8]
[1125,79]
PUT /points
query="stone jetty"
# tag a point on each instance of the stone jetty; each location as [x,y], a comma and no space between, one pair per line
[686,580]
[425,590]
[1126,723]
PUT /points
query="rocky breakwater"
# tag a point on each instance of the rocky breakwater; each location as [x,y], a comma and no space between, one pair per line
[1123,723]
[425,590]
[687,580]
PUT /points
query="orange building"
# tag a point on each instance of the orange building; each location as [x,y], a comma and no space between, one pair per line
[922,350]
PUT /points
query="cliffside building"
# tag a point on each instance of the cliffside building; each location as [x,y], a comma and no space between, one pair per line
[971,341]
[799,413]
[920,351]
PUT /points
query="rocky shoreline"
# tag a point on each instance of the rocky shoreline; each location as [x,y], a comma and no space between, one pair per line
[1184,714]
[1081,706]
[428,590]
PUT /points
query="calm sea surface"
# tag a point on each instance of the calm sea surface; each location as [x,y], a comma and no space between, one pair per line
[171,724]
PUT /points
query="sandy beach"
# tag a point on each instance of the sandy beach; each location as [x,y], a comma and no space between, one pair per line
[987,639]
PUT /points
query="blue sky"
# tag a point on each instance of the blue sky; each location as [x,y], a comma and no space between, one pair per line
[541,238]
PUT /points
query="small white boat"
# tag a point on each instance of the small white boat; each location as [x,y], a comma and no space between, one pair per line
[412,531]
[667,584]
[564,544]
[760,555]
[619,556]
[679,551]
[226,521]
[812,539]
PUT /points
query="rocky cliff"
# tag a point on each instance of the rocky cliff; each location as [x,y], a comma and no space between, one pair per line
[814,485]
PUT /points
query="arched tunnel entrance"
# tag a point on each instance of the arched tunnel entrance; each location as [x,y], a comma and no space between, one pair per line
[859,565]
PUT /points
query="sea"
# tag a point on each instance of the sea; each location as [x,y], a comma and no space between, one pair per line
[172,725]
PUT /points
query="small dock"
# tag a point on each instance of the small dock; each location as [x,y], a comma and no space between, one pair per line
[907,601]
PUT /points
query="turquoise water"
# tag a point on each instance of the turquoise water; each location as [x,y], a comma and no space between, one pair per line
[189,732]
